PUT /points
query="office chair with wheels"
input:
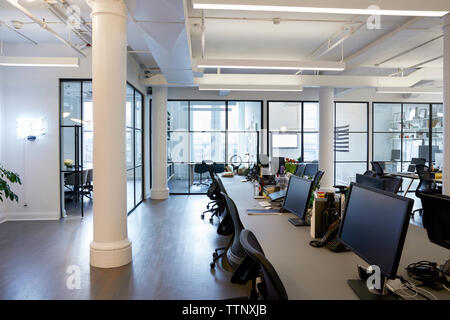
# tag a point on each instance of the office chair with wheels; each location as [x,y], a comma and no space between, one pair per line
[378,168]
[217,206]
[427,185]
[200,168]
[266,284]
[235,252]
[436,218]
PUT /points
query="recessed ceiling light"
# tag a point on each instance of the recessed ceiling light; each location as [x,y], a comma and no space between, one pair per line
[271,64]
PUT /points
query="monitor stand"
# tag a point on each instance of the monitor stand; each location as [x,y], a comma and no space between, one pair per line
[359,286]
[299,222]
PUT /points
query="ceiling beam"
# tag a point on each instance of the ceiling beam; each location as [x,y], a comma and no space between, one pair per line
[350,59]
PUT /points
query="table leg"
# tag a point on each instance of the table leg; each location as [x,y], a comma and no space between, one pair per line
[409,186]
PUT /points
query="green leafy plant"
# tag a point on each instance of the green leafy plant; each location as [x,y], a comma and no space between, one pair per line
[5,189]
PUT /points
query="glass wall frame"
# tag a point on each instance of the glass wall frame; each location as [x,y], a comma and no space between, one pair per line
[361,133]
[412,124]
[304,133]
[83,129]
[188,130]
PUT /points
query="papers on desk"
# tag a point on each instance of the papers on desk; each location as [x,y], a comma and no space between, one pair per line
[264,212]
[265,204]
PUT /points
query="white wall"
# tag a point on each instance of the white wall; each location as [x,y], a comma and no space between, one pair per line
[34,92]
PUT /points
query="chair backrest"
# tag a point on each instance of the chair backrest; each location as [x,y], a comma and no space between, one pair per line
[211,170]
[71,179]
[377,167]
[220,183]
[426,183]
[273,288]
[236,253]
[318,177]
[219,167]
[370,173]
[436,218]
[392,184]
[90,176]
[300,171]
[200,167]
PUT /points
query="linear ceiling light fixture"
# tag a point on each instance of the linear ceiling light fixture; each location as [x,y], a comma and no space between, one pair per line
[271,64]
[39,62]
[414,90]
[251,6]
[237,87]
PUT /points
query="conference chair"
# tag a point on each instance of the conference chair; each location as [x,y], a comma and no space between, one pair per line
[427,185]
[88,187]
[74,183]
[235,252]
[436,218]
[218,167]
[266,284]
[200,168]
[216,207]
[392,184]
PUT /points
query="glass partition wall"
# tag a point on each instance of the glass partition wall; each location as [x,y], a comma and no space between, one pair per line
[293,130]
[76,146]
[351,142]
[208,130]
[402,131]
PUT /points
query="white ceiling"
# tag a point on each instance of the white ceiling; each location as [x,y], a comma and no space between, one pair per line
[156,29]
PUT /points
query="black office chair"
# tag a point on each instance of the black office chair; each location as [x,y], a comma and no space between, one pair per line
[300,171]
[370,173]
[318,176]
[436,218]
[378,168]
[200,168]
[256,267]
[234,251]
[392,184]
[427,185]
[218,167]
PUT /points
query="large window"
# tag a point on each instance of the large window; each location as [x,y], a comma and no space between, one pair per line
[208,130]
[351,154]
[76,146]
[402,131]
[294,130]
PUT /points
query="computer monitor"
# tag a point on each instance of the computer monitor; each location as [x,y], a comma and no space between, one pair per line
[300,171]
[424,152]
[370,181]
[374,226]
[297,199]
[311,169]
[418,161]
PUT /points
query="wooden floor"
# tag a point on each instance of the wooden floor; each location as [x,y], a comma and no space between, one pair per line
[172,249]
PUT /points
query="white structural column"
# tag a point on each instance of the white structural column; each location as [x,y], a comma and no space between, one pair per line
[159,144]
[111,246]
[326,135]
[446,170]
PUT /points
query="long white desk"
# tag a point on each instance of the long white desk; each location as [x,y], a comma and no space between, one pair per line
[317,273]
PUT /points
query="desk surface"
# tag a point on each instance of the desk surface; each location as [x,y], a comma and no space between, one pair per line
[410,176]
[317,273]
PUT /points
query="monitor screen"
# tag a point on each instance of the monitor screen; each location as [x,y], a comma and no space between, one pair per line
[285,141]
[298,195]
[311,169]
[374,226]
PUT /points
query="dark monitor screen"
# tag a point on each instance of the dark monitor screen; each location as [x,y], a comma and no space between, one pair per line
[370,181]
[300,171]
[298,195]
[311,169]
[418,161]
[374,226]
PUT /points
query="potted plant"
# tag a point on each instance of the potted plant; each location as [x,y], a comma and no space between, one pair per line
[68,163]
[5,189]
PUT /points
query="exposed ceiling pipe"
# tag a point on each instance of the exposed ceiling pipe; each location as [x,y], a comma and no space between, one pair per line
[2,23]
[86,25]
[44,25]
[203,34]
[425,62]
[409,50]
[64,19]
[330,46]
